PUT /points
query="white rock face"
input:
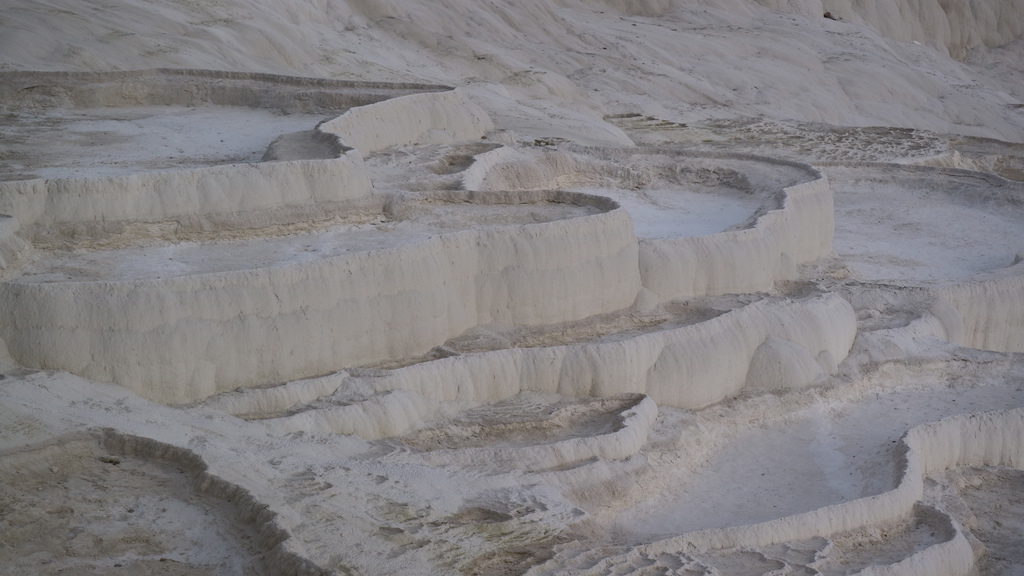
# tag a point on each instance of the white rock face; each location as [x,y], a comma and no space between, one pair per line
[12,246]
[746,260]
[686,367]
[986,439]
[182,339]
[958,26]
[778,364]
[560,319]
[991,313]
[626,439]
[953,26]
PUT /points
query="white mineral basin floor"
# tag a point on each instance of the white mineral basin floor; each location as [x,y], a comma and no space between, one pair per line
[920,235]
[676,213]
[70,143]
[190,258]
[824,455]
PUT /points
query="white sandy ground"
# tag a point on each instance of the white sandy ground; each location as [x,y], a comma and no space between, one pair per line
[720,75]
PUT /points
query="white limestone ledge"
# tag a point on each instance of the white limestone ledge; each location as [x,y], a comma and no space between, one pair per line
[228,197]
[983,439]
[988,312]
[747,260]
[985,311]
[767,345]
[12,246]
[750,259]
[234,196]
[687,367]
[181,339]
[627,437]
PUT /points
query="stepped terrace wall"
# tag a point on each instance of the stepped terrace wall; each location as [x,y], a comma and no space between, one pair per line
[984,439]
[735,261]
[182,339]
[687,367]
[989,313]
[234,196]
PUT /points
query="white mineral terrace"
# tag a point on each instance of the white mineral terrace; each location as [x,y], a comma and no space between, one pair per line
[980,215]
[617,288]
[840,452]
[191,258]
[115,141]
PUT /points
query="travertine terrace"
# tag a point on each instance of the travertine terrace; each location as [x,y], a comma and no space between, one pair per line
[569,288]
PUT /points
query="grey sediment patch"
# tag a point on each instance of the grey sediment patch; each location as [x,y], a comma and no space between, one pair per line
[184,87]
[126,503]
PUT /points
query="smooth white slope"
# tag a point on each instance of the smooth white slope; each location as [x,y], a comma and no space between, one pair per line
[554,68]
